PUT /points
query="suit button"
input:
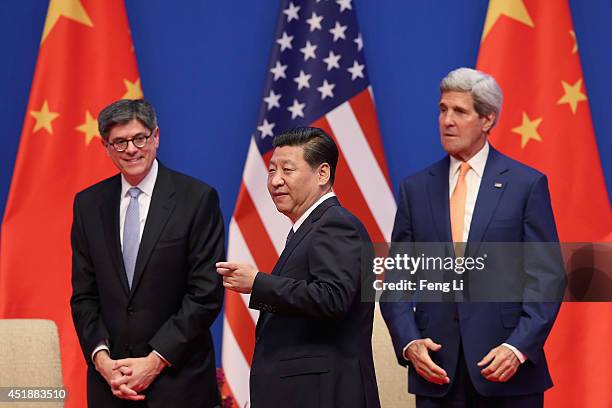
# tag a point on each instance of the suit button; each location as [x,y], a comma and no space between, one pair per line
[130,310]
[257,339]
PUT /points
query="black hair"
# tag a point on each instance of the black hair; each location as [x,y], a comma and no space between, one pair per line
[318,147]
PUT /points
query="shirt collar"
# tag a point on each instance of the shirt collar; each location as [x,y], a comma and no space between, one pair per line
[477,162]
[147,183]
[301,220]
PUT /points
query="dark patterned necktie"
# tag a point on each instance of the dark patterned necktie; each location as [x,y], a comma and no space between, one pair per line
[289,236]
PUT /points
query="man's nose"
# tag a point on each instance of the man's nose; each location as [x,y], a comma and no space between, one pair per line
[448,119]
[131,147]
[277,180]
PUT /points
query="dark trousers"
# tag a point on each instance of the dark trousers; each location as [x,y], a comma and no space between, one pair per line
[134,404]
[462,394]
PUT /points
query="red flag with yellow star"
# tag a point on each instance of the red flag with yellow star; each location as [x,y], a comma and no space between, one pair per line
[530,47]
[86,60]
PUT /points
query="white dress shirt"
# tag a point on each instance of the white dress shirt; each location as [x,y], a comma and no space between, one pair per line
[144,199]
[144,202]
[472,179]
[310,209]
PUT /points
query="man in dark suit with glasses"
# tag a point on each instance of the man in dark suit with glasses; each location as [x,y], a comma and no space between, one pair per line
[145,290]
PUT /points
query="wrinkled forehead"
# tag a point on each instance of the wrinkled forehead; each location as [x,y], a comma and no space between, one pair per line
[457,99]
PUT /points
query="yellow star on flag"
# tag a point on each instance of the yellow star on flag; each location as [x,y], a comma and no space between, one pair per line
[90,128]
[510,8]
[575,48]
[528,130]
[44,118]
[72,9]
[572,95]
[134,89]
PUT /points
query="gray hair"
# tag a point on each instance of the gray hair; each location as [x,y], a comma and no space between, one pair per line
[124,111]
[485,91]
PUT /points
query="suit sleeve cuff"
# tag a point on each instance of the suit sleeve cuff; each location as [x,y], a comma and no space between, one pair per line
[103,345]
[516,352]
[262,294]
[162,358]
[406,348]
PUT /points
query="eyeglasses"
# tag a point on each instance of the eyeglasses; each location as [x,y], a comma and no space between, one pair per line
[139,141]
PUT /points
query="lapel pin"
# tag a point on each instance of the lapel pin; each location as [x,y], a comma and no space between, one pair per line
[498,185]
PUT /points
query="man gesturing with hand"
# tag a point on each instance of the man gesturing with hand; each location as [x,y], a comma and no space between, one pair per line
[313,337]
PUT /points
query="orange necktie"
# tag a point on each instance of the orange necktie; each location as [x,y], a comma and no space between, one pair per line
[457,204]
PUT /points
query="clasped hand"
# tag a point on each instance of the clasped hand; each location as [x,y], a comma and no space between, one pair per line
[130,376]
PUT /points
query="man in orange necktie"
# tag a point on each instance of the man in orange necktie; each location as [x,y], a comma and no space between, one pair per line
[476,354]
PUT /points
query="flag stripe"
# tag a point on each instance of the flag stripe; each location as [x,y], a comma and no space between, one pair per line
[236,368]
[254,232]
[365,112]
[347,189]
[241,324]
[364,166]
[238,250]
[227,393]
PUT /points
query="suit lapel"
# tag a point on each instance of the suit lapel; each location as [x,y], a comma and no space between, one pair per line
[302,231]
[109,212]
[162,205]
[437,189]
[492,186]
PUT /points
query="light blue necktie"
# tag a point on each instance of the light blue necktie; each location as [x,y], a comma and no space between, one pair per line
[131,234]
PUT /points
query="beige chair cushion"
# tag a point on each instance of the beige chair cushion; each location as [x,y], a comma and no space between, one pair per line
[29,357]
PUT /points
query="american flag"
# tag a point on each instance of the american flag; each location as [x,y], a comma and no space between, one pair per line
[317,77]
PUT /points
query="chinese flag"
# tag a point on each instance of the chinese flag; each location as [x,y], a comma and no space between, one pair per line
[86,60]
[530,47]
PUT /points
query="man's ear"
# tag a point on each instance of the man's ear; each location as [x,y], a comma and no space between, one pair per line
[324,174]
[105,146]
[156,137]
[488,122]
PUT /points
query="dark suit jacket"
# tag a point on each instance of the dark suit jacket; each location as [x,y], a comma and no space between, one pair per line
[313,340]
[176,292]
[516,210]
